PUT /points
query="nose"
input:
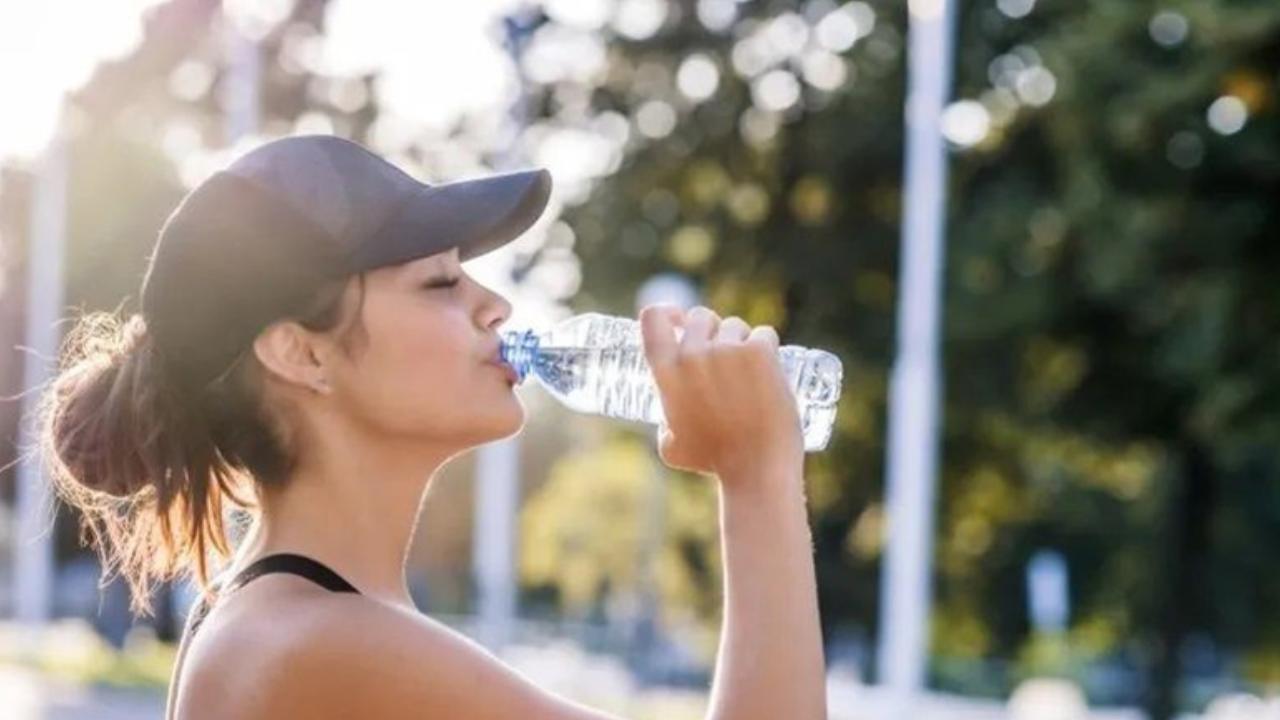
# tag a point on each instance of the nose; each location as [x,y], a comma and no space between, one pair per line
[495,310]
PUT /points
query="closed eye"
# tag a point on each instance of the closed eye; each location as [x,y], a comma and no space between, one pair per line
[446,282]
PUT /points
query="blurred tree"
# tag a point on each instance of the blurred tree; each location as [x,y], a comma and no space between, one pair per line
[1114,230]
[1109,314]
[584,530]
[754,147]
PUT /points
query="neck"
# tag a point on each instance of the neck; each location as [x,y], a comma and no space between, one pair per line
[354,509]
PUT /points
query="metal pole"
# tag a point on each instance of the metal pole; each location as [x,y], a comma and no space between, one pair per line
[497,464]
[34,550]
[240,92]
[906,587]
[497,498]
[677,290]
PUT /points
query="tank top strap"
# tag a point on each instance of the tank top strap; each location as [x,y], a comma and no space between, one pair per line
[291,563]
[294,564]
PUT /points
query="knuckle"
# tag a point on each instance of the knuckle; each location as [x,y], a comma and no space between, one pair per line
[719,348]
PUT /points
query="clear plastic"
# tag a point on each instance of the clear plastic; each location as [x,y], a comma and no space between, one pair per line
[595,364]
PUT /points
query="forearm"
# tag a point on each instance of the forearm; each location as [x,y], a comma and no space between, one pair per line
[770,663]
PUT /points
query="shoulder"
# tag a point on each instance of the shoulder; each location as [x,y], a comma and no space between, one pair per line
[345,656]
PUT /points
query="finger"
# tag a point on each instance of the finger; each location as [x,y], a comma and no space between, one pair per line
[673,312]
[764,335]
[700,326]
[657,327]
[733,330]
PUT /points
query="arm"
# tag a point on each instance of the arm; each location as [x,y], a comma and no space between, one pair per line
[731,415]
[349,657]
[770,662]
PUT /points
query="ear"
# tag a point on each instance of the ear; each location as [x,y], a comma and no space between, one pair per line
[291,353]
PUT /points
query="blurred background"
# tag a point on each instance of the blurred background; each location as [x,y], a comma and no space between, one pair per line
[1067,212]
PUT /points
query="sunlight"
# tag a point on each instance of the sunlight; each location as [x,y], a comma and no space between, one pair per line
[47,56]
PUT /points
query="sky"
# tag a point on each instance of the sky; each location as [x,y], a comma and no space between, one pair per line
[419,46]
[42,56]
[420,49]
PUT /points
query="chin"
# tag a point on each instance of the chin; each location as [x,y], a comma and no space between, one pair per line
[504,424]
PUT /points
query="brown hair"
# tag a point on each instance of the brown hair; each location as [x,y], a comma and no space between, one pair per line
[150,462]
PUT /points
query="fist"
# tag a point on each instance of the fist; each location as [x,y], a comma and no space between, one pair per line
[727,404]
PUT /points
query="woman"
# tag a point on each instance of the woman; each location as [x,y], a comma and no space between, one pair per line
[310,348]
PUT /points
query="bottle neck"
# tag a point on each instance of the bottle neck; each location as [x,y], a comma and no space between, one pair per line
[519,349]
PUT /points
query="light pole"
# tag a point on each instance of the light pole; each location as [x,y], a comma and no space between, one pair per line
[906,584]
[241,98]
[497,464]
[676,290]
[34,548]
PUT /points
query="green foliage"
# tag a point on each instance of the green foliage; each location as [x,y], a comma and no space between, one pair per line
[1110,314]
[585,532]
[70,650]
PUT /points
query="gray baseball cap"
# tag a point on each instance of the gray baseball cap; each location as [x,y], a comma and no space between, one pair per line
[253,242]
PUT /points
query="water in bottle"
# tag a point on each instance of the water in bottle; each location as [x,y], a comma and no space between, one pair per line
[595,363]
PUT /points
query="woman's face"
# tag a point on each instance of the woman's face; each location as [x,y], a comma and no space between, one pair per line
[425,368]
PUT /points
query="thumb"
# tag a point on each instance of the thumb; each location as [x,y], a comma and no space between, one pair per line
[668,449]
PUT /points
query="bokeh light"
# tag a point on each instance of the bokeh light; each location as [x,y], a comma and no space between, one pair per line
[824,70]
[640,19]
[656,119]
[1036,86]
[1016,8]
[698,77]
[1169,28]
[965,123]
[1227,115]
[777,90]
[717,15]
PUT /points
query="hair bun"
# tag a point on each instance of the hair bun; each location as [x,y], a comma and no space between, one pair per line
[100,411]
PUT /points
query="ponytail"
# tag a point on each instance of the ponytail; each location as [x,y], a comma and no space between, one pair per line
[136,455]
[151,463]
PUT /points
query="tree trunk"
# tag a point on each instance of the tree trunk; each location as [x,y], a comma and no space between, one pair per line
[1181,553]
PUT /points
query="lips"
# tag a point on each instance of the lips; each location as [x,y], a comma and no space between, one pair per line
[495,359]
[509,371]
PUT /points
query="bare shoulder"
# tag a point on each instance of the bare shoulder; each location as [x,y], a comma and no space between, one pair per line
[347,656]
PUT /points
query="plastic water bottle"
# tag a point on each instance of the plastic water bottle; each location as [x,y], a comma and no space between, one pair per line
[595,364]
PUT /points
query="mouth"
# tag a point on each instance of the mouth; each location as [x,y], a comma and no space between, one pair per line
[510,372]
[495,358]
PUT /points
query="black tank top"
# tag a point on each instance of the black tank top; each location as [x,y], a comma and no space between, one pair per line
[291,563]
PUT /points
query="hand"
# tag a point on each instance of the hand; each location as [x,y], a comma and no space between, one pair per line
[727,403]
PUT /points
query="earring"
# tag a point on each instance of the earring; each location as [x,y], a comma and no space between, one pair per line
[320,385]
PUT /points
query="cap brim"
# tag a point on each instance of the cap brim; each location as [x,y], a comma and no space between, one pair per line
[476,216]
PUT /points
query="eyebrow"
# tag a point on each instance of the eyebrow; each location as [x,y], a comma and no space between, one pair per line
[431,263]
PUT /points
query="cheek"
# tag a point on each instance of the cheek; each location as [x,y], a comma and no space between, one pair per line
[421,379]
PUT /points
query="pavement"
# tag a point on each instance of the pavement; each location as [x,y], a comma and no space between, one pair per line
[27,695]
